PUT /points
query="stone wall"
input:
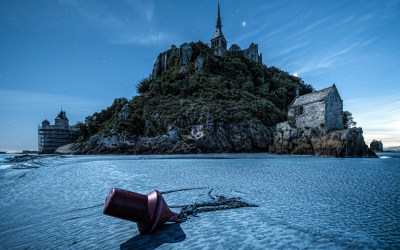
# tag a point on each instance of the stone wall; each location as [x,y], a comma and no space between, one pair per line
[252,53]
[219,51]
[334,111]
[313,115]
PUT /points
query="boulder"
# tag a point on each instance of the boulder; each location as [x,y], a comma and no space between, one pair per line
[65,150]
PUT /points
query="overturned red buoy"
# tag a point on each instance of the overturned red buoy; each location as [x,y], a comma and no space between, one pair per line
[148,211]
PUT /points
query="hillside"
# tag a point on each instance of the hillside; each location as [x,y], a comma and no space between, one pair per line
[224,92]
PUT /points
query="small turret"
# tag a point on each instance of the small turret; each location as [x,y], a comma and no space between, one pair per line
[45,123]
[61,119]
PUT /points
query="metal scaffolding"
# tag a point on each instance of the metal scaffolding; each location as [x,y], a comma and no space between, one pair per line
[52,136]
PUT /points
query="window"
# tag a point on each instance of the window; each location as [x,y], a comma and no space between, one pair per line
[300,110]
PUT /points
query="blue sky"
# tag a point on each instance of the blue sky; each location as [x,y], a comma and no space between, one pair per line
[80,55]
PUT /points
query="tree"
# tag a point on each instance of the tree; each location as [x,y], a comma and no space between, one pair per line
[348,121]
[234,88]
[143,85]
[234,47]
[83,130]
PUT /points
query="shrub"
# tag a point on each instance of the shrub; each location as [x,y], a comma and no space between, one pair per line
[348,121]
[143,85]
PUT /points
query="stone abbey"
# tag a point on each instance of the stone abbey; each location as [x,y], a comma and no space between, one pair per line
[321,109]
[314,123]
[185,51]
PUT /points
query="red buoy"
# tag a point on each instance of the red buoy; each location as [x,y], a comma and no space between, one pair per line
[148,211]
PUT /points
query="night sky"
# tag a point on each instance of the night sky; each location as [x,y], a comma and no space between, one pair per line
[80,55]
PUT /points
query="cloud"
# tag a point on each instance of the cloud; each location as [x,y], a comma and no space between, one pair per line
[290,49]
[22,111]
[145,8]
[382,105]
[310,27]
[391,121]
[319,61]
[251,33]
[136,28]
[12,99]
[68,2]
[378,116]
[265,28]
[128,38]
[345,21]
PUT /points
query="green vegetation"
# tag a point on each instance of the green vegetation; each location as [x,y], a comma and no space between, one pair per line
[229,89]
[348,120]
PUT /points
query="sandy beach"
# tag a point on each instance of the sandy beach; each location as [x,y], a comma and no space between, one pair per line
[303,201]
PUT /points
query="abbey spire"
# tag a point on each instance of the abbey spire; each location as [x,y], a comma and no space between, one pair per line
[218,41]
[219,24]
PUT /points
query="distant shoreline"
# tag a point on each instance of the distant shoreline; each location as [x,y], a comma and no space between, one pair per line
[199,156]
[20,152]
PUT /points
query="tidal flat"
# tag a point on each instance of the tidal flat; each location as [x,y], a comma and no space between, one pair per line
[303,201]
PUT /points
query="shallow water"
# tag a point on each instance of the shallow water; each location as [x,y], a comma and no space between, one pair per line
[3,157]
[303,201]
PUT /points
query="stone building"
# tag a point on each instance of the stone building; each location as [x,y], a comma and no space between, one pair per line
[252,53]
[218,41]
[219,44]
[185,52]
[53,136]
[320,109]
[376,146]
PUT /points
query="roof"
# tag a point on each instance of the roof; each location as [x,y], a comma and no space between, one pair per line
[218,33]
[62,115]
[311,97]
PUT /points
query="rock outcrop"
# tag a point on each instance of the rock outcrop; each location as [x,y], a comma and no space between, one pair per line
[161,63]
[313,141]
[194,132]
[209,104]
[186,52]
[199,63]
[199,133]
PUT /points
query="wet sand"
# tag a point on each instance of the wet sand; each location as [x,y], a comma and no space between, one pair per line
[303,202]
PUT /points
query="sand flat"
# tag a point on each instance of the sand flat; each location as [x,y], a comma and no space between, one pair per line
[303,201]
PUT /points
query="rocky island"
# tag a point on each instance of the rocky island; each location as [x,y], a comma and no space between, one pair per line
[202,99]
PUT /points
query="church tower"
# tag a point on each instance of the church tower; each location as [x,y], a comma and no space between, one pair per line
[218,42]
